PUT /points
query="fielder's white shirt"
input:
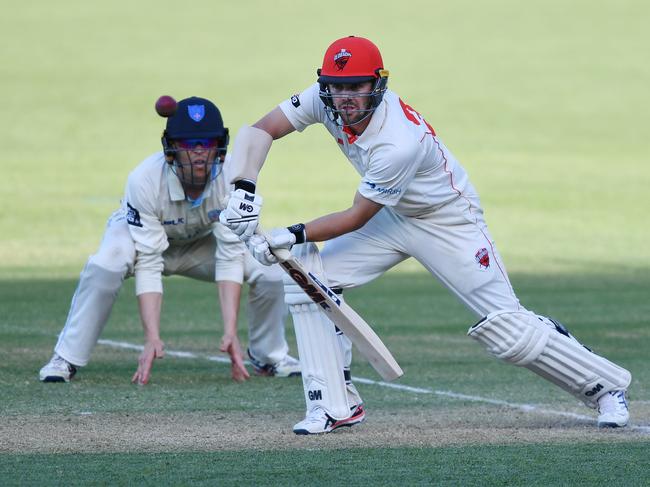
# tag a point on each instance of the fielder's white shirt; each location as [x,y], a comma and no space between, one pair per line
[159,215]
[402,163]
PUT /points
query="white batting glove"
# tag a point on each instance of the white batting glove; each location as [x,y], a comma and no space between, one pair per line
[279,238]
[259,247]
[242,213]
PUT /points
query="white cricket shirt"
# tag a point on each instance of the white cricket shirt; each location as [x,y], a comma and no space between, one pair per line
[402,163]
[159,215]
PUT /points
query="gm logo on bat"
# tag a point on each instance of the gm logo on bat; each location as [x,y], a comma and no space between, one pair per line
[314,294]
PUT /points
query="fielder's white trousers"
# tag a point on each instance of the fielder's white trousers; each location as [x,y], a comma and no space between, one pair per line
[102,277]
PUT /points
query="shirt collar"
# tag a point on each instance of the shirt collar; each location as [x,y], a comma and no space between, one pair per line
[373,128]
[176,191]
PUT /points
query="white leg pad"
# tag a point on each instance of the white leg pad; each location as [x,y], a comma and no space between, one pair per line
[524,339]
[319,348]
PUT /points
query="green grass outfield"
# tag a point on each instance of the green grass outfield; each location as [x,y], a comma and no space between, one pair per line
[544,103]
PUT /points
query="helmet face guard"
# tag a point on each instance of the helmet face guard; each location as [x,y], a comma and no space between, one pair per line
[352,60]
[376,95]
[193,173]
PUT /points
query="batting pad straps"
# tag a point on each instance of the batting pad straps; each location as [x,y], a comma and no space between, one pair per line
[249,153]
[522,338]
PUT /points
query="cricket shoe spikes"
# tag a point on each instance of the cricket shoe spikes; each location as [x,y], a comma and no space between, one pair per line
[57,369]
[613,410]
[318,421]
[287,367]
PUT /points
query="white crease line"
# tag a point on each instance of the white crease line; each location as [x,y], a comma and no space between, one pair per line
[416,390]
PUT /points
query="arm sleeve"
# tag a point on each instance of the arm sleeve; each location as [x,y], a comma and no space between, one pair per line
[304,109]
[147,232]
[389,172]
[229,256]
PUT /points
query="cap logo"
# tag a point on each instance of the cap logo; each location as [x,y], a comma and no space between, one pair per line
[196,112]
[341,58]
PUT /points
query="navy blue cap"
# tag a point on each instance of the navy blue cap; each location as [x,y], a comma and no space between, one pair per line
[195,118]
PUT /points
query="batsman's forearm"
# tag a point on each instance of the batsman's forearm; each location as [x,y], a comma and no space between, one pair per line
[342,222]
[331,226]
[150,305]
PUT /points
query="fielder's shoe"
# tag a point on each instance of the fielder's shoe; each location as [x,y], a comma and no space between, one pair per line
[57,369]
[612,409]
[287,367]
[318,421]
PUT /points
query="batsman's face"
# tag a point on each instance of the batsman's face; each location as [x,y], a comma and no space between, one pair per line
[194,161]
[352,101]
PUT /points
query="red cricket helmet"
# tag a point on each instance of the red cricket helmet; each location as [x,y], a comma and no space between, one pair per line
[352,60]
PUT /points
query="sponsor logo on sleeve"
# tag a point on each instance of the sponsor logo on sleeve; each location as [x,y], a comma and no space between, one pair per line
[384,191]
[133,216]
[295,101]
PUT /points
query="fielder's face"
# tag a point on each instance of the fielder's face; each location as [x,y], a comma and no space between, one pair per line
[194,159]
[351,101]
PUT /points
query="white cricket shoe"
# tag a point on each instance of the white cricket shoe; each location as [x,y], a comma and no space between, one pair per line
[57,369]
[287,367]
[318,421]
[612,409]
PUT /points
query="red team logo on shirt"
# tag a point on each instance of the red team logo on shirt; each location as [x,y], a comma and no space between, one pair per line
[341,58]
[482,258]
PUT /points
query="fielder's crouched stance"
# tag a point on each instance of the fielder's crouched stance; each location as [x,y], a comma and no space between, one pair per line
[414,199]
[168,225]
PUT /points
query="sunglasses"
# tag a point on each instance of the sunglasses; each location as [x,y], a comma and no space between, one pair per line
[190,144]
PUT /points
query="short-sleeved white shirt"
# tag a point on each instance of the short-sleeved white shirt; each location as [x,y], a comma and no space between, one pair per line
[402,162]
[159,215]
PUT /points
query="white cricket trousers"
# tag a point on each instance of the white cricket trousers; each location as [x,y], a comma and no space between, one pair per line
[102,277]
[452,243]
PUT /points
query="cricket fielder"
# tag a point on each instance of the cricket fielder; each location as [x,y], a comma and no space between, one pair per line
[414,199]
[167,225]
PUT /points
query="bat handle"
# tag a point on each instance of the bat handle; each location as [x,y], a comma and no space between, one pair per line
[281,254]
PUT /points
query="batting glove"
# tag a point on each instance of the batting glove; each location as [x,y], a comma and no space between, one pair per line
[279,238]
[259,247]
[242,213]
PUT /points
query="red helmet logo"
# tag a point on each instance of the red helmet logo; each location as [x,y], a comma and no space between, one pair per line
[341,59]
[340,63]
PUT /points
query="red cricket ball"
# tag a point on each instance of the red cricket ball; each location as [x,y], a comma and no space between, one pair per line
[166,106]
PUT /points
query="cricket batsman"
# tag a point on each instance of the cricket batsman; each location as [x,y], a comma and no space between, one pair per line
[414,199]
[168,225]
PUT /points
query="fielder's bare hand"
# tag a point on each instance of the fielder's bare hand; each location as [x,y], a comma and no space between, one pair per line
[152,350]
[230,345]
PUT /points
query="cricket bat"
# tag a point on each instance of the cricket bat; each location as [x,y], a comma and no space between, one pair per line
[343,316]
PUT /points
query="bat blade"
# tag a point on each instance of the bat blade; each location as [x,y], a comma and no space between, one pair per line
[343,316]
